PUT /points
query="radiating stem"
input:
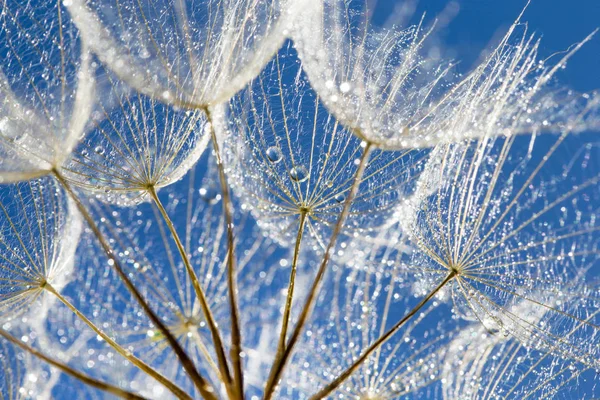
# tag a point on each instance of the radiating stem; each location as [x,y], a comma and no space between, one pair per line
[279,364]
[200,295]
[88,380]
[236,337]
[177,391]
[290,292]
[381,340]
[206,391]
[202,347]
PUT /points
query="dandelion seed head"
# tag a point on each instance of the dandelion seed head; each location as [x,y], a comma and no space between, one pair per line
[152,261]
[412,222]
[196,55]
[39,237]
[403,97]
[291,157]
[137,143]
[46,90]
[496,225]
[511,371]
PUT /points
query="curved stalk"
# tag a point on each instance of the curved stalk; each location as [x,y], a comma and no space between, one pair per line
[290,292]
[176,390]
[279,364]
[236,337]
[201,296]
[204,388]
[381,340]
[88,380]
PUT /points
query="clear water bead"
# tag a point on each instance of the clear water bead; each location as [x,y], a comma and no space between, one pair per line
[298,174]
[209,194]
[274,154]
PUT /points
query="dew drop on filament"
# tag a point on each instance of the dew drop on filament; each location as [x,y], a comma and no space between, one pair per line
[209,194]
[298,174]
[274,154]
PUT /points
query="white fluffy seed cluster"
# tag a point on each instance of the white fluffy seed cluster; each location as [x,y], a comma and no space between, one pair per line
[231,199]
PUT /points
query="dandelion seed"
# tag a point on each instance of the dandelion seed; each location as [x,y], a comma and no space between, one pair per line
[323,156]
[512,370]
[189,56]
[41,230]
[506,245]
[166,281]
[293,158]
[41,120]
[143,143]
[408,100]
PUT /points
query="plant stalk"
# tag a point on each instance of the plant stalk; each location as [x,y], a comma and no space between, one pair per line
[236,337]
[88,380]
[290,292]
[279,364]
[177,391]
[202,347]
[381,340]
[210,320]
[204,388]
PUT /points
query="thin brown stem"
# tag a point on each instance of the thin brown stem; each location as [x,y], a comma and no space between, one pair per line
[88,380]
[290,291]
[381,340]
[176,390]
[204,388]
[201,296]
[236,337]
[279,364]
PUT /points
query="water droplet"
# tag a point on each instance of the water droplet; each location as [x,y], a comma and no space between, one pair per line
[144,53]
[274,154]
[345,87]
[99,150]
[209,194]
[340,198]
[299,174]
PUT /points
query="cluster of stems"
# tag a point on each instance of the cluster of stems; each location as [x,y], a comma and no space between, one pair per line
[229,367]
